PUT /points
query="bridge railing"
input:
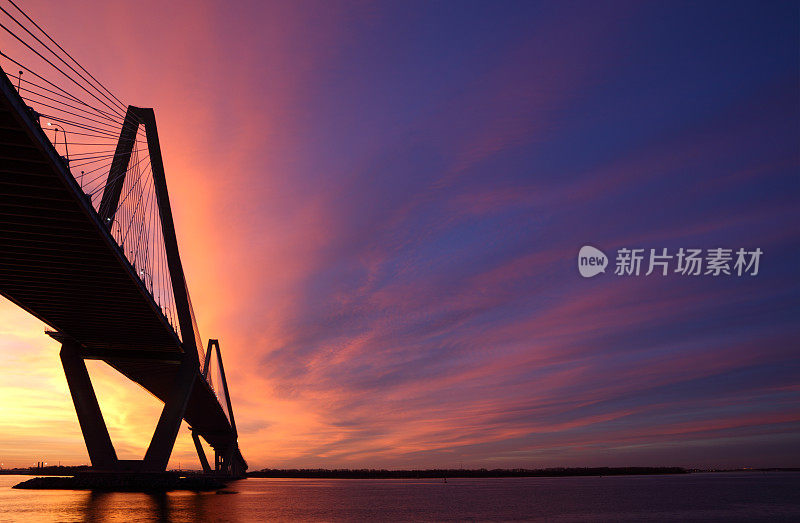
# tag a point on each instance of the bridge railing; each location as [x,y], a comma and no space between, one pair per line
[84,121]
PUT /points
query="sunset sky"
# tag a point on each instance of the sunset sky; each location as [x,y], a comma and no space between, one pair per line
[379,208]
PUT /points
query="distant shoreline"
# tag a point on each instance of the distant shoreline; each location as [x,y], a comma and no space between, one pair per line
[490,473]
[424,473]
[460,473]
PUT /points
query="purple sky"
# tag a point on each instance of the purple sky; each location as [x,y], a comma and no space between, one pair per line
[380,208]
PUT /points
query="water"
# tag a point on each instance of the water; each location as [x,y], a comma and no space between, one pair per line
[773,496]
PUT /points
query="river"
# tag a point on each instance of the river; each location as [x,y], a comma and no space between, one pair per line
[753,496]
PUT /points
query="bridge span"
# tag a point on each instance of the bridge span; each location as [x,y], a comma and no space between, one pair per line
[88,246]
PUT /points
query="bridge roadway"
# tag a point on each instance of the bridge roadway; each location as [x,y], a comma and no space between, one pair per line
[59,263]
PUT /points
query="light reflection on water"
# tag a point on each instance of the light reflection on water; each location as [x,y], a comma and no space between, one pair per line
[710,497]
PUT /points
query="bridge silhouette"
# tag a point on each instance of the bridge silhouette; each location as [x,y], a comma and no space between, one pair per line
[88,246]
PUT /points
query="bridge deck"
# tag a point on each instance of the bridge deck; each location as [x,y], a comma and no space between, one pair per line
[58,262]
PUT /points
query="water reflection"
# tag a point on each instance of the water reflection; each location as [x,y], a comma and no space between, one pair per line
[705,496]
[89,506]
[129,506]
[161,507]
[96,506]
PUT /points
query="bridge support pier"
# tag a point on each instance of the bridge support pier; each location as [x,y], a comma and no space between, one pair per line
[157,456]
[228,461]
[201,453]
[93,426]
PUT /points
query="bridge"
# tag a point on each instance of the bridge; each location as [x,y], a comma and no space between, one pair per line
[88,246]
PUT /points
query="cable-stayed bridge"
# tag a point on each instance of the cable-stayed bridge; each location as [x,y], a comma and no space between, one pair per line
[88,246]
